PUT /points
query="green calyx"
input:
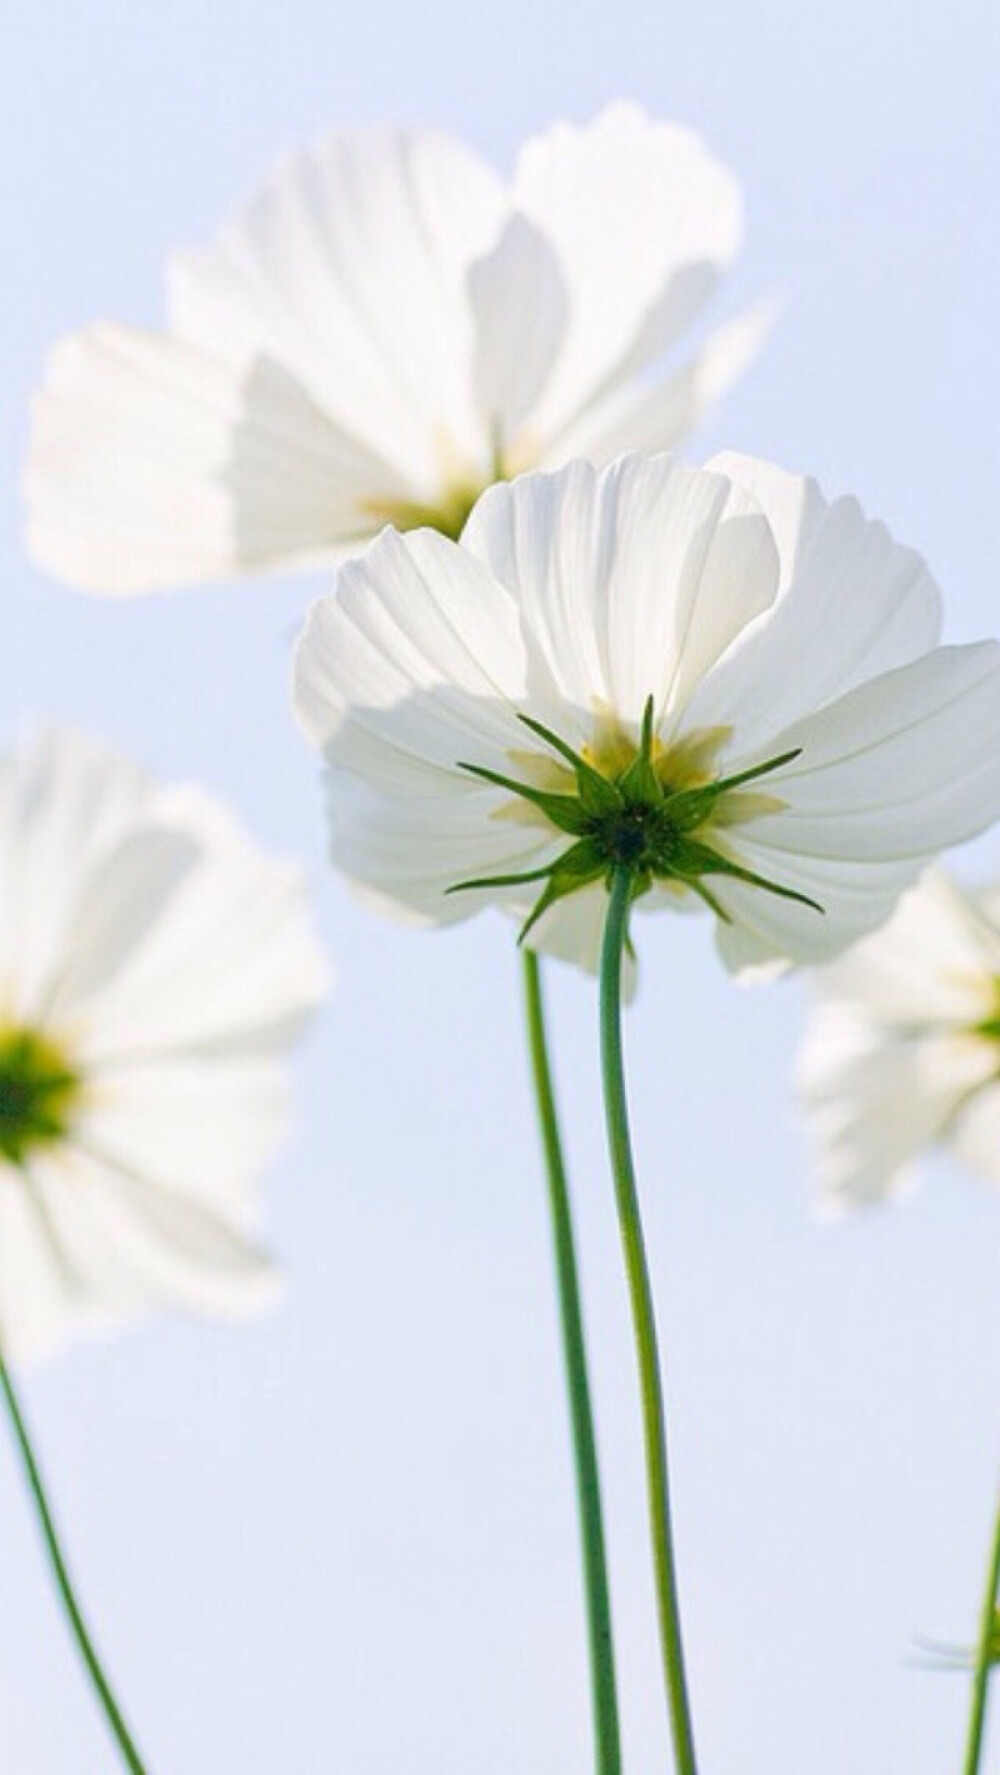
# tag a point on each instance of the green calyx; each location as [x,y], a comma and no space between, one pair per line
[38,1089]
[634,820]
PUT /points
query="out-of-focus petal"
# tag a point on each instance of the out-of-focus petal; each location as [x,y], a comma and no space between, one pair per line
[155,968]
[643,219]
[348,267]
[873,1106]
[156,463]
[520,307]
[657,415]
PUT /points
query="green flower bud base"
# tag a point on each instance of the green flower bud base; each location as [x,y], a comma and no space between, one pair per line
[639,819]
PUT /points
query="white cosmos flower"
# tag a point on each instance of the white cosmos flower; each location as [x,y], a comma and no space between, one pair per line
[384,329]
[903,1046]
[772,636]
[155,966]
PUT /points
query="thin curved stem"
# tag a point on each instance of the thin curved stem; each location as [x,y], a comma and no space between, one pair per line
[643,1321]
[64,1583]
[588,1485]
[985,1657]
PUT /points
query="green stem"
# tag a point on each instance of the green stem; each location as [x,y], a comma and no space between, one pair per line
[64,1583]
[588,1485]
[643,1319]
[984,1658]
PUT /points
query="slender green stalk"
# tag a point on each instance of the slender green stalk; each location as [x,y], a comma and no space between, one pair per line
[64,1584]
[643,1320]
[588,1485]
[985,1657]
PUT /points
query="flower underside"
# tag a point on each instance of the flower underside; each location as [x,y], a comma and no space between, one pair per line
[641,814]
[38,1089]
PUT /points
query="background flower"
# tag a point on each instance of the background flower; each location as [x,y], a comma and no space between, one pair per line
[154,969]
[781,640]
[903,1046]
[382,331]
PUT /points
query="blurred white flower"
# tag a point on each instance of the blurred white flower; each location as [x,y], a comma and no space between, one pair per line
[155,966]
[902,1048]
[385,329]
[481,706]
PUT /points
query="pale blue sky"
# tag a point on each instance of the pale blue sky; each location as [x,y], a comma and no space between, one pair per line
[341,1542]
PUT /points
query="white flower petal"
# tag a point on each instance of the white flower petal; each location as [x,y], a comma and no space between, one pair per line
[348,268]
[855,898]
[203,1125]
[572,929]
[167,965]
[118,908]
[897,1052]
[41,1299]
[134,1244]
[416,657]
[873,1106]
[853,604]
[658,416]
[66,797]
[899,768]
[414,667]
[632,581]
[520,305]
[154,463]
[749,957]
[232,964]
[412,849]
[935,962]
[888,775]
[642,219]
[976,1135]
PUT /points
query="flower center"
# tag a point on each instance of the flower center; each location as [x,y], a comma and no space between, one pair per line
[655,813]
[989,1028]
[448,516]
[38,1090]
[644,838]
[462,480]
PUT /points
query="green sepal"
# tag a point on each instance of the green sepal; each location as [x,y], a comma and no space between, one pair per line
[698,887]
[756,770]
[699,860]
[493,881]
[604,819]
[579,865]
[639,785]
[576,868]
[598,795]
[546,898]
[692,807]
[565,811]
